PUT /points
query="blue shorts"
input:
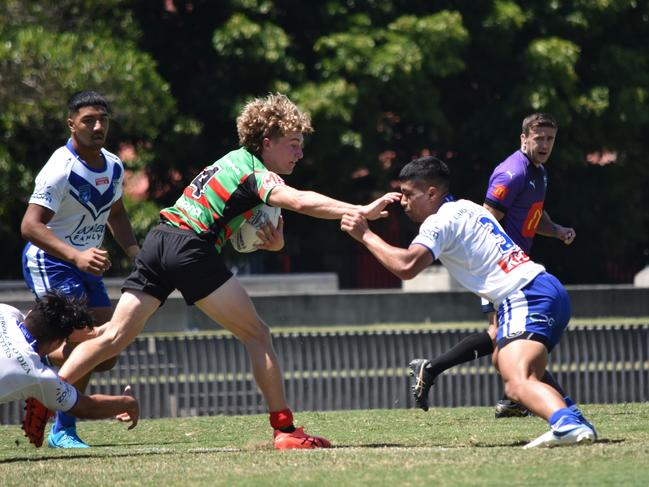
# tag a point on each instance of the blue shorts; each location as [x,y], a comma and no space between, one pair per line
[540,312]
[42,273]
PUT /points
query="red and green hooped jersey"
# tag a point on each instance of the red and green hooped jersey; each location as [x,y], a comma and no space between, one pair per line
[223,196]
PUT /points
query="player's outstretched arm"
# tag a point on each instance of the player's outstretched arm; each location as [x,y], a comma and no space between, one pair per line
[320,206]
[403,263]
[100,406]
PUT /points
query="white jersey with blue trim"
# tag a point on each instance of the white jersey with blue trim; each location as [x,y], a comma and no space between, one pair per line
[472,245]
[22,374]
[80,197]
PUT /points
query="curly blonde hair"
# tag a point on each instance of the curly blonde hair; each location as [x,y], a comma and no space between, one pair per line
[273,116]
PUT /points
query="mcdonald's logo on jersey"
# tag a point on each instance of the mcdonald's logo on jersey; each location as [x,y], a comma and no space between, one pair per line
[532,220]
[500,192]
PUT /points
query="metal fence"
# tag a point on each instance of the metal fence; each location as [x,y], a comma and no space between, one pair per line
[210,374]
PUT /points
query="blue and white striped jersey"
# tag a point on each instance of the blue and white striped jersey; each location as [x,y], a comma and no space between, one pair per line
[472,245]
[80,197]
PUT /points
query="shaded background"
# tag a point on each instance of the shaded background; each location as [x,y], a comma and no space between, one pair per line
[384,81]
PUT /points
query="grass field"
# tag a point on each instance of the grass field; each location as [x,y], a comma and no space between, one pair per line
[443,447]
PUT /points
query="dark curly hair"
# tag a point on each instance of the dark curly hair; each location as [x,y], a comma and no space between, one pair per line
[55,316]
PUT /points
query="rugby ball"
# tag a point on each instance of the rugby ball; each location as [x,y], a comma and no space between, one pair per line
[244,239]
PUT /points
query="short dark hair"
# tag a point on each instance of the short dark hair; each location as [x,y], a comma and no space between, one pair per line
[538,120]
[87,98]
[55,316]
[429,169]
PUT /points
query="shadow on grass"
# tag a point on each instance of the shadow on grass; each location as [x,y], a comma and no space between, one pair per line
[129,453]
[515,444]
[523,443]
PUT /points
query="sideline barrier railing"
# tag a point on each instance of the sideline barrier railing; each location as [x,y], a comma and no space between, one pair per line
[210,374]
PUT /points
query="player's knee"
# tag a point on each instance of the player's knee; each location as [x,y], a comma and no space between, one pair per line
[257,333]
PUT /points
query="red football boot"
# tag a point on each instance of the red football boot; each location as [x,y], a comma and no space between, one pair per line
[299,439]
[34,421]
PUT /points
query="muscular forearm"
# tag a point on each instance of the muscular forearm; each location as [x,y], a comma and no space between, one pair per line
[397,260]
[546,226]
[318,205]
[101,406]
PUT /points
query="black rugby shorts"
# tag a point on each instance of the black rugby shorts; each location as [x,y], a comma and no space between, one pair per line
[173,258]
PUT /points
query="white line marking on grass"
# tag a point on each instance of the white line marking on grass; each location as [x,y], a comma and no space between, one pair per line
[181,451]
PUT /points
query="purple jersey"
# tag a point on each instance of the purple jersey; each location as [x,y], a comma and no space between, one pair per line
[517,188]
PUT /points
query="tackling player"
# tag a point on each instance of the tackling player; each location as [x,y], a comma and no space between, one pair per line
[77,194]
[515,197]
[184,251]
[533,308]
[24,340]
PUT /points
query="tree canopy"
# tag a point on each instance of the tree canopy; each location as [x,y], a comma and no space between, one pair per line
[384,81]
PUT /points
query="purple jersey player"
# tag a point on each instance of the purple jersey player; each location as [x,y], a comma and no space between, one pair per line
[517,191]
[515,196]
[517,186]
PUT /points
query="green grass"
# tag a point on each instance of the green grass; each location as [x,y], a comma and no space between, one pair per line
[443,447]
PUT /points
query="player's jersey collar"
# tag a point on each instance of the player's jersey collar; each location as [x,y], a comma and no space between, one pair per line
[74,153]
[28,336]
[529,161]
[525,156]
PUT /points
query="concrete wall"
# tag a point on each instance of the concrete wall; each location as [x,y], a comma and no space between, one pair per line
[369,307]
[314,299]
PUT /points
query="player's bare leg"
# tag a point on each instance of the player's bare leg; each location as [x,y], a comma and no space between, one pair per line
[505,407]
[231,307]
[522,364]
[131,314]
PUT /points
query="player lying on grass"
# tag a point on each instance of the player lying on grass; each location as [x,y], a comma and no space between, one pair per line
[184,251]
[533,308]
[25,339]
